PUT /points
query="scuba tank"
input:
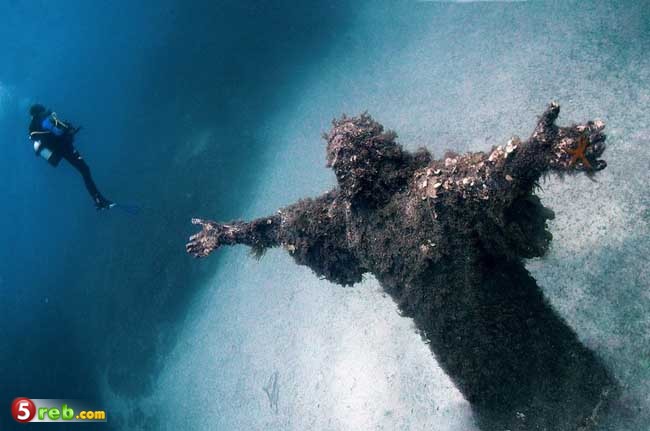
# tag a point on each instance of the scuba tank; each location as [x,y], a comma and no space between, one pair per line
[41,150]
[45,153]
[45,141]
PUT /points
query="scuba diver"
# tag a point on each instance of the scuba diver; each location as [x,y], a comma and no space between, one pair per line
[53,140]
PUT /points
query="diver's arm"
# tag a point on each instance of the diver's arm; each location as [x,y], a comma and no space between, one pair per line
[52,124]
[49,125]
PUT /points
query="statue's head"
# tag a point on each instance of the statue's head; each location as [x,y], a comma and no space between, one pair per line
[368,164]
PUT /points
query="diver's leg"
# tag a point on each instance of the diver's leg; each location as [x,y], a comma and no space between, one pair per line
[74,158]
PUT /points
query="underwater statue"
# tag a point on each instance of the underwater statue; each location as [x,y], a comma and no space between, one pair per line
[447,240]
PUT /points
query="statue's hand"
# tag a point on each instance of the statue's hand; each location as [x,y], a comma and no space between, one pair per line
[574,148]
[212,236]
[579,147]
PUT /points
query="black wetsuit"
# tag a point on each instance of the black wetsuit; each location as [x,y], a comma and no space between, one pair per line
[59,139]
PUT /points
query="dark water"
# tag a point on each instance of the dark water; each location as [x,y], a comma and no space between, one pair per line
[88,297]
[214,109]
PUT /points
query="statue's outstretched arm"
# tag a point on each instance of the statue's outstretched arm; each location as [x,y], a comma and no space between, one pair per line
[500,176]
[552,149]
[313,231]
[259,234]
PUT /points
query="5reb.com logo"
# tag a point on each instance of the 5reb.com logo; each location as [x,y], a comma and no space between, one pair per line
[51,410]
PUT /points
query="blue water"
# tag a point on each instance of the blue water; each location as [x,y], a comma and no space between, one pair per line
[215,109]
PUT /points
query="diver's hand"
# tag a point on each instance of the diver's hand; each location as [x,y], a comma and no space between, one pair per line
[71,130]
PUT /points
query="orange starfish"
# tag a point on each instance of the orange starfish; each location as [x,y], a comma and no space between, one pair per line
[579,153]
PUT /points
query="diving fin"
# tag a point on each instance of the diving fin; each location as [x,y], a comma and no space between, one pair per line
[130,209]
